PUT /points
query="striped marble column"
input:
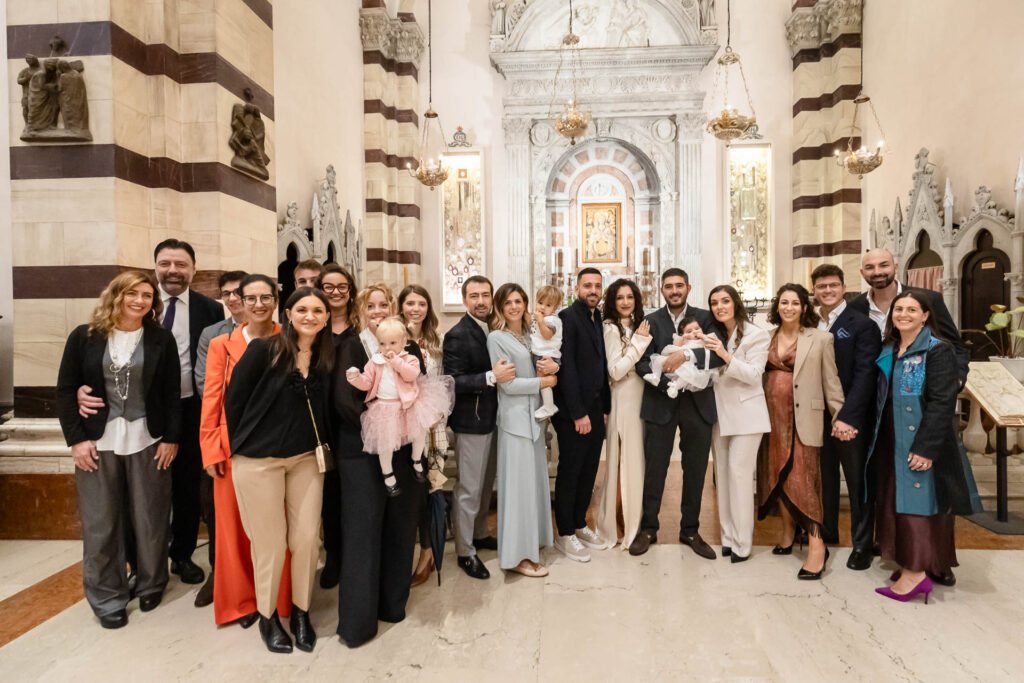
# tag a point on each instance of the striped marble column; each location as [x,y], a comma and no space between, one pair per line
[391,52]
[825,41]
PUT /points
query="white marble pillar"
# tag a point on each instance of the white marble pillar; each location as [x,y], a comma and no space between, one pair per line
[520,245]
[688,231]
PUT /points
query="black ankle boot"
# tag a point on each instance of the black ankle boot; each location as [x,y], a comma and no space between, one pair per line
[274,635]
[305,636]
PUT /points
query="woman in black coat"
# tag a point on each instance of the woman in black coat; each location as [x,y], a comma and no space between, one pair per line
[377,532]
[123,452]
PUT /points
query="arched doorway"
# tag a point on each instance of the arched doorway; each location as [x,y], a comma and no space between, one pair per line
[984,284]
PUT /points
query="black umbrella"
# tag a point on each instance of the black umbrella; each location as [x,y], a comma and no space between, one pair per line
[438,527]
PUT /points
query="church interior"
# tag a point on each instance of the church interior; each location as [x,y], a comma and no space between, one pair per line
[746,142]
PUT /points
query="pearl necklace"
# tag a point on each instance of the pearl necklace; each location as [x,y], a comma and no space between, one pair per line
[122,360]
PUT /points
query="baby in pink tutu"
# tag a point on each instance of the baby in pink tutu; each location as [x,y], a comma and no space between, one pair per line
[402,403]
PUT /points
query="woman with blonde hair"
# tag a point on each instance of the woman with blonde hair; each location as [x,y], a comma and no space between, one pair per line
[123,453]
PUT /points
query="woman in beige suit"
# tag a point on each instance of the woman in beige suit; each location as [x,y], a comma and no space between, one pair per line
[800,377]
[742,417]
[626,336]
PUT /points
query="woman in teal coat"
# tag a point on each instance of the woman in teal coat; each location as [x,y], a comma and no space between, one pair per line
[920,482]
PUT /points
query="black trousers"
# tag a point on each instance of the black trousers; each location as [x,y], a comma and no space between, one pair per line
[851,455]
[578,458]
[330,512]
[377,538]
[191,496]
[694,447]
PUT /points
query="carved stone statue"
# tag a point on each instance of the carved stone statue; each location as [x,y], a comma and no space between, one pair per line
[248,138]
[50,92]
[631,21]
[707,13]
[291,219]
[497,17]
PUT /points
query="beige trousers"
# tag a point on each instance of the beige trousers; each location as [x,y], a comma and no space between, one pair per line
[279,503]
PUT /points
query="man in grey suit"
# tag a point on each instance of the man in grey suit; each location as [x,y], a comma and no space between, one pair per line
[230,294]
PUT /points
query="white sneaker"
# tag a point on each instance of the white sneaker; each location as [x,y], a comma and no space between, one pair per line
[572,548]
[589,538]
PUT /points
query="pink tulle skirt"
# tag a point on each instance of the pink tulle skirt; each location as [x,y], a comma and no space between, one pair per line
[387,427]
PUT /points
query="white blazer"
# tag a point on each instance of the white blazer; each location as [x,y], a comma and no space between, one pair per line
[739,393]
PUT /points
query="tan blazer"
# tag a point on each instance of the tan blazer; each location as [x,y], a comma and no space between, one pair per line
[815,380]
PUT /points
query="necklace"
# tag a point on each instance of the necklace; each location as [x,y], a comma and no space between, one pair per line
[122,360]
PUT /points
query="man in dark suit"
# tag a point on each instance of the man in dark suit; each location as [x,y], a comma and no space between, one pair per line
[857,345]
[465,358]
[584,401]
[692,413]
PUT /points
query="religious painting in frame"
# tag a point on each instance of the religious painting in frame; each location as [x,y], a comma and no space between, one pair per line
[462,226]
[600,236]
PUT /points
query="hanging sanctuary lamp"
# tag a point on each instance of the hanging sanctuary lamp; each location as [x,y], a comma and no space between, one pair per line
[430,169]
[571,122]
[730,124]
[862,160]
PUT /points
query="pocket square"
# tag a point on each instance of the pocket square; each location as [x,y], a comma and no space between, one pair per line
[842,333]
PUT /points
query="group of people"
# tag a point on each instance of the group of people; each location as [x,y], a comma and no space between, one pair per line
[269,432]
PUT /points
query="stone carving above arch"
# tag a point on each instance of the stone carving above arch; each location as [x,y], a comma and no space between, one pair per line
[328,236]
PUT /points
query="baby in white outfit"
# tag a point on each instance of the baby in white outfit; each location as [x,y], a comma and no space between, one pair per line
[546,340]
[687,377]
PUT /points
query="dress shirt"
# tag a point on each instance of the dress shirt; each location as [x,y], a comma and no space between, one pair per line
[491,379]
[678,318]
[180,330]
[877,315]
[827,321]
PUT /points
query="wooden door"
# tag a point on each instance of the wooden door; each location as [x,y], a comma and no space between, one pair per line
[983,284]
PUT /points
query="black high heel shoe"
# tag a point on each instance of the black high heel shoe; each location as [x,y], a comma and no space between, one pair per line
[806,575]
[274,636]
[779,550]
[305,636]
[392,489]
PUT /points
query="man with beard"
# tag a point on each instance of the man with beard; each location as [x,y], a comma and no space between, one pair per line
[693,413]
[584,401]
[186,314]
[465,358]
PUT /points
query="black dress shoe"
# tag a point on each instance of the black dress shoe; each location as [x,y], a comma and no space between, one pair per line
[248,620]
[699,546]
[115,620]
[393,490]
[805,575]
[726,551]
[205,595]
[133,581]
[305,636]
[859,560]
[472,565]
[273,633]
[946,578]
[735,558]
[641,543]
[188,570]
[331,572]
[148,603]
[485,543]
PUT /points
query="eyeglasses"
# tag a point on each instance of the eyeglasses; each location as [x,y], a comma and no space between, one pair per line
[228,293]
[340,289]
[265,299]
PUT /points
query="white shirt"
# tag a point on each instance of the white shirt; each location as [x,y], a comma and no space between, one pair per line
[540,346]
[122,436]
[827,321]
[370,343]
[876,314]
[678,318]
[180,330]
[386,389]
[491,380]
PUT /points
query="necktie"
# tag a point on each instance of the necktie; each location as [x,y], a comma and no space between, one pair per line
[169,313]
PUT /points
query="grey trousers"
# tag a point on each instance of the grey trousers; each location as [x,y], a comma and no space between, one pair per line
[136,480]
[476,455]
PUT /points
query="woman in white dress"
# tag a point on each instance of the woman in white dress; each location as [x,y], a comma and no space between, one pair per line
[524,494]
[626,336]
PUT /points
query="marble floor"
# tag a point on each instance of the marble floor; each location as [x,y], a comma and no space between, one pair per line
[668,615]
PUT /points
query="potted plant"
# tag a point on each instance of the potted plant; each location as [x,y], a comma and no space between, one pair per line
[1008,340]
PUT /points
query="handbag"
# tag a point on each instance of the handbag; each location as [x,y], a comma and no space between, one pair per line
[324,456]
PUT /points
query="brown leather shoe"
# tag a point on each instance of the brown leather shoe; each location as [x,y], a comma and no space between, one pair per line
[642,543]
[699,546]
[423,572]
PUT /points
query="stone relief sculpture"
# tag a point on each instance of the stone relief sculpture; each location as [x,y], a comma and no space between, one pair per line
[707,13]
[52,90]
[497,17]
[247,140]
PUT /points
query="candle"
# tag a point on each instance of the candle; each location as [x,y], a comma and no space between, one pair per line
[647,258]
[558,259]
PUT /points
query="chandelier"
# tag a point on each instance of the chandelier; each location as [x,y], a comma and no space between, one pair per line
[730,124]
[571,122]
[430,167]
[860,161]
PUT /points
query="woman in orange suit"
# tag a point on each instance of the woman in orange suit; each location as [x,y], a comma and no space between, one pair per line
[234,595]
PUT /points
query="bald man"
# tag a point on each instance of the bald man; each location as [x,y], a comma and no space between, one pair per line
[878,268]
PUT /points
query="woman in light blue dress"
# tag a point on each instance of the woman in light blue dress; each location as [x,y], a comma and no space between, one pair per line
[524,496]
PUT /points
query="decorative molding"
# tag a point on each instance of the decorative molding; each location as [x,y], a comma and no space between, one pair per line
[393,37]
[327,237]
[810,28]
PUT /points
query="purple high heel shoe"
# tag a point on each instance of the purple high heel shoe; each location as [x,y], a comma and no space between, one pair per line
[922,588]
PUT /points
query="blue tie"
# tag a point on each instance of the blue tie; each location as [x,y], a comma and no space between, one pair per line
[169,313]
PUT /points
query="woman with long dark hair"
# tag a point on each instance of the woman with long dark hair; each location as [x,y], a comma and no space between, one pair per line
[801,378]
[920,481]
[742,416]
[626,336]
[122,453]
[524,496]
[277,410]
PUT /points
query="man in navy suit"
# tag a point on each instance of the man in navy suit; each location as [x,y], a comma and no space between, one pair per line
[857,345]
[584,401]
